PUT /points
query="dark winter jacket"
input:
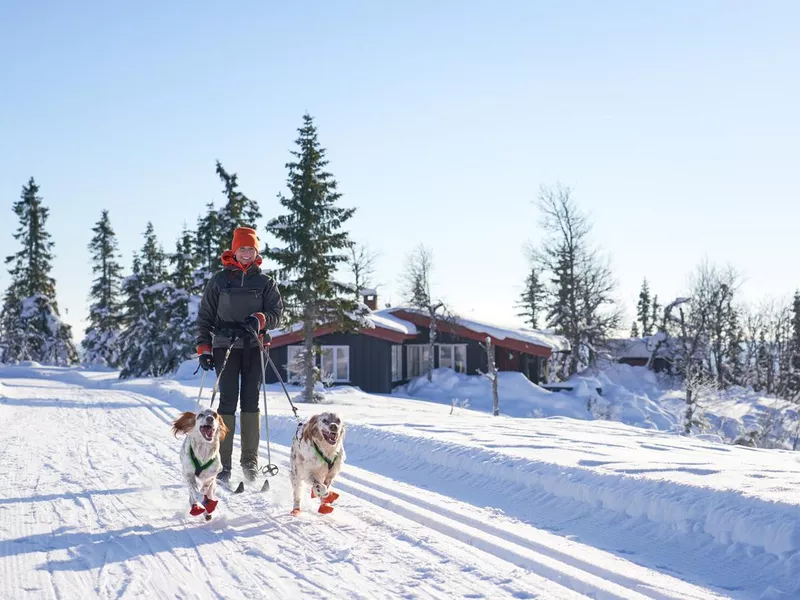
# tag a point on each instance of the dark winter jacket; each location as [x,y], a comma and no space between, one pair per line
[232,295]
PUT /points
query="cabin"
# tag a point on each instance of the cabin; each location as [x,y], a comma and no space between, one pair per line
[636,352]
[393,347]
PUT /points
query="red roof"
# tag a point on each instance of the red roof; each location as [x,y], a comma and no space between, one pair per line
[422,320]
[377,332]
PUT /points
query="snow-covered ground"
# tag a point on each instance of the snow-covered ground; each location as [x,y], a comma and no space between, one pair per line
[433,505]
[631,395]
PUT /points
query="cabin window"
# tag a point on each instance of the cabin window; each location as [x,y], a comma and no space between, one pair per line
[418,357]
[397,363]
[336,363]
[453,356]
[294,369]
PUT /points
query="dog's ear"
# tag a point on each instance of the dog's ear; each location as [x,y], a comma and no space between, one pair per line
[311,429]
[184,423]
[223,429]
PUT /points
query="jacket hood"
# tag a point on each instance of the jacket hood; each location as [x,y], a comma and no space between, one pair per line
[229,261]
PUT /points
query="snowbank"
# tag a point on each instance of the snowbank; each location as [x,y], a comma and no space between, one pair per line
[518,396]
[631,395]
[727,516]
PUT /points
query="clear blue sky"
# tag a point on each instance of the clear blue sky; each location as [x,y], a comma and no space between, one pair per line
[676,123]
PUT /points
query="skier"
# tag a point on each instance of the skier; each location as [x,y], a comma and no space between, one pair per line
[238,300]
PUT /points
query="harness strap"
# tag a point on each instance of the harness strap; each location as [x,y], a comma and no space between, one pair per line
[198,466]
[324,458]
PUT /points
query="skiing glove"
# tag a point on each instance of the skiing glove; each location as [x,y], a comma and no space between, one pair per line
[207,362]
[255,323]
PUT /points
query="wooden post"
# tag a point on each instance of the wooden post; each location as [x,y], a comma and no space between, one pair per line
[492,369]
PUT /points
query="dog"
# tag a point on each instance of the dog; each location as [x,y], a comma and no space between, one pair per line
[200,459]
[317,456]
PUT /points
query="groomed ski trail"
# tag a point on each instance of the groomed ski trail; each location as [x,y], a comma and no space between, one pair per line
[118,525]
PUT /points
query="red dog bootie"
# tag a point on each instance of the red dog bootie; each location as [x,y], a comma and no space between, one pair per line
[325,509]
[196,510]
[330,498]
[210,504]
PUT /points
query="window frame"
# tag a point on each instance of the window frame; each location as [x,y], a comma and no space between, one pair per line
[452,348]
[335,369]
[397,361]
[290,351]
[410,362]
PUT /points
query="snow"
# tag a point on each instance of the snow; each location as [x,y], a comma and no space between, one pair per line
[433,505]
[381,318]
[629,348]
[385,318]
[542,338]
[634,396]
[519,397]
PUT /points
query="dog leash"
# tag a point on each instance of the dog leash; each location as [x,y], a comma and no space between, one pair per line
[200,393]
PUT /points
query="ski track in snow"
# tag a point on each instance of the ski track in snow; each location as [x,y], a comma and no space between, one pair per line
[106,516]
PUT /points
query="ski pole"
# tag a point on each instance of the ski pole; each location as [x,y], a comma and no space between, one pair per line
[221,371]
[283,385]
[200,393]
[270,469]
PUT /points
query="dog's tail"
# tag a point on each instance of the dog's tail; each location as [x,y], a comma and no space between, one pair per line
[184,423]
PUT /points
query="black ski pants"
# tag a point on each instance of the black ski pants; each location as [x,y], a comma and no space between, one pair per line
[245,365]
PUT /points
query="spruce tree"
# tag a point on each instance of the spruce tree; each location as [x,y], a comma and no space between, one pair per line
[105,312]
[643,309]
[656,317]
[206,241]
[145,344]
[734,350]
[794,378]
[532,300]
[182,301]
[796,320]
[30,327]
[239,210]
[634,330]
[184,261]
[763,370]
[315,244]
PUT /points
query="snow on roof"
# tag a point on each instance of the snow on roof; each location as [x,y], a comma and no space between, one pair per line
[629,348]
[385,318]
[537,337]
[381,318]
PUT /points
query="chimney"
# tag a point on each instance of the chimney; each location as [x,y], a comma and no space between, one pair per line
[370,298]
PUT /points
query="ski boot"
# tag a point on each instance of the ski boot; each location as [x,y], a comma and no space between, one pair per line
[224,476]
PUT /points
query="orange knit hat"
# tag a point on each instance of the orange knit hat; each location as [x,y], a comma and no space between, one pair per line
[244,236]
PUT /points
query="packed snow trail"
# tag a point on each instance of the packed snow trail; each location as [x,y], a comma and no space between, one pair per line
[91,504]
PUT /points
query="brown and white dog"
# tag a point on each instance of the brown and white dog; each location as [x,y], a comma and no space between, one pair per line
[317,457]
[200,460]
